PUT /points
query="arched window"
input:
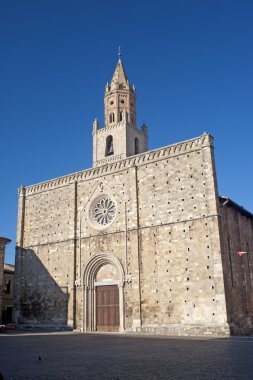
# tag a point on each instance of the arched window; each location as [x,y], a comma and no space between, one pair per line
[109,146]
[136,145]
[121,116]
[111,118]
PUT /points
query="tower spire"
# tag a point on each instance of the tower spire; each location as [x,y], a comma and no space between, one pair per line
[119,78]
[120,137]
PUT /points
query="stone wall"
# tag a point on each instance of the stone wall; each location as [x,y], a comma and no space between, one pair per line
[237,236]
[141,135]
[45,257]
[123,135]
[181,269]
[164,237]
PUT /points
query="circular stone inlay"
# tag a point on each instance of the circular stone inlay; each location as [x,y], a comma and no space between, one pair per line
[104,211]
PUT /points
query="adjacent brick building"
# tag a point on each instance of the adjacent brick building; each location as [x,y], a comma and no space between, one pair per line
[141,242]
[8,291]
[3,242]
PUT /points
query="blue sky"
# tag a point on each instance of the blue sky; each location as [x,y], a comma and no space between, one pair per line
[191,62]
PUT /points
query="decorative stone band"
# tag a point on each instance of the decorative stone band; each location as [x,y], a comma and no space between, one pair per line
[186,330]
[109,159]
[142,131]
[138,160]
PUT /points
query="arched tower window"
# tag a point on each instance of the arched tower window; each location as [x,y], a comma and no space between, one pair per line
[121,116]
[111,118]
[109,146]
[136,145]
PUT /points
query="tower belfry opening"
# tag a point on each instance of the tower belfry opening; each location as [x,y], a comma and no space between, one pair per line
[119,136]
[109,145]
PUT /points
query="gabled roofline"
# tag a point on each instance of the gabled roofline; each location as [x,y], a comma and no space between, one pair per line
[165,152]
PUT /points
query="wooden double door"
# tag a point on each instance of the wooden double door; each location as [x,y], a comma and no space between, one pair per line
[107,308]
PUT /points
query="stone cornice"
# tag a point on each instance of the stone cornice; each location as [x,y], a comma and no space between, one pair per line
[108,160]
[116,126]
[137,160]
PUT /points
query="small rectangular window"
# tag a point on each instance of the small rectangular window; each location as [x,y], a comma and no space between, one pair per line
[7,287]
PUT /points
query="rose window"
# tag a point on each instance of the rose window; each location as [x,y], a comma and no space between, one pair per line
[104,211]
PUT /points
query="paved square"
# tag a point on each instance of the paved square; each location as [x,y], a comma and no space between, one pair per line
[116,357]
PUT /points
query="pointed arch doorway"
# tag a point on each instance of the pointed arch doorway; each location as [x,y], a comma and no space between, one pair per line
[103,294]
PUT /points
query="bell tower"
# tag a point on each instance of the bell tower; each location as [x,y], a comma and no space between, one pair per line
[119,96]
[120,137]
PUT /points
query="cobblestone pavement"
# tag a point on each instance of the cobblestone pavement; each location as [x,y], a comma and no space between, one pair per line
[116,357]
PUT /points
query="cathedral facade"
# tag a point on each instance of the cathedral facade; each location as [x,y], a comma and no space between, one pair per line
[141,242]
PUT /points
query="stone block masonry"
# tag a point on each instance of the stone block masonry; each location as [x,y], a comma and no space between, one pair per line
[139,243]
[165,236]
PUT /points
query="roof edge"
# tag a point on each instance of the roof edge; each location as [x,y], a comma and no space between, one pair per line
[226,201]
[165,152]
